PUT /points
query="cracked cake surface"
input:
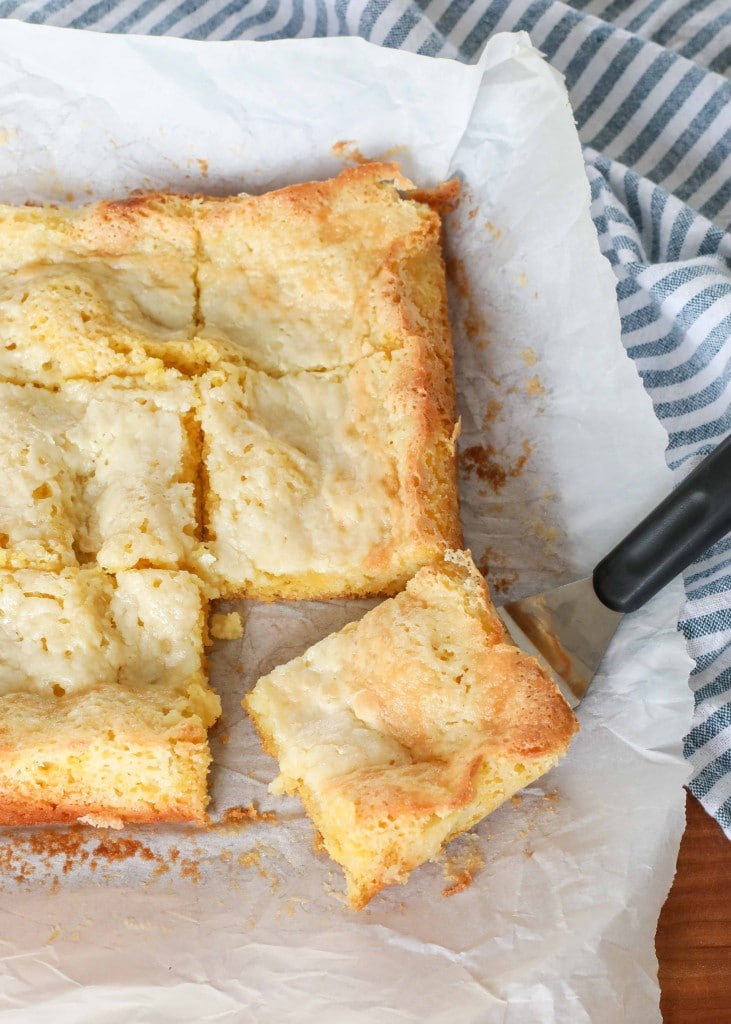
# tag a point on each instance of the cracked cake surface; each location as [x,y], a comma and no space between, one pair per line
[100,471]
[250,396]
[410,725]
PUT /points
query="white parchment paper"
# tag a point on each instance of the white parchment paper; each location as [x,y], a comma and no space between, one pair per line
[561,454]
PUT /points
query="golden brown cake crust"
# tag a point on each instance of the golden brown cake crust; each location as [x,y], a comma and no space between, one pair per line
[116,303]
[139,225]
[26,811]
[410,725]
[326,272]
[107,721]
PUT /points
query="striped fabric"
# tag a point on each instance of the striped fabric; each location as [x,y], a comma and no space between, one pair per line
[653,108]
[673,271]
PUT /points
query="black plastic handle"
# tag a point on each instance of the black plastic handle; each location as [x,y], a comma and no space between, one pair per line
[692,518]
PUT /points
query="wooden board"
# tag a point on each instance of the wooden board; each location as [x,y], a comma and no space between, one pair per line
[694,932]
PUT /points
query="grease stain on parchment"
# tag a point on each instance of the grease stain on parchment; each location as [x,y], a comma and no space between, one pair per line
[494,467]
[473,323]
[541,804]
[534,387]
[529,356]
[494,567]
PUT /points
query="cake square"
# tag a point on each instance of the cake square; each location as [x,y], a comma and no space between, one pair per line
[99,471]
[107,288]
[331,484]
[104,703]
[37,521]
[406,728]
[317,275]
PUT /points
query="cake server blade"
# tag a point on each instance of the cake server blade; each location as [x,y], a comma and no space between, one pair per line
[569,628]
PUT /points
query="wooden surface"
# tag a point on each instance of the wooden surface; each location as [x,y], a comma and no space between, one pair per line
[694,933]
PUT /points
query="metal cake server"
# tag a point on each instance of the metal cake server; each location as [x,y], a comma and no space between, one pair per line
[569,628]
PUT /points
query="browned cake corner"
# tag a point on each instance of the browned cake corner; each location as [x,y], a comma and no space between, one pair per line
[406,728]
[106,288]
[104,705]
[315,276]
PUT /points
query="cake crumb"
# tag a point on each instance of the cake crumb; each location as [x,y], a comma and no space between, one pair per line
[116,850]
[253,859]
[529,356]
[190,868]
[101,821]
[226,626]
[460,868]
[347,151]
[238,815]
[249,860]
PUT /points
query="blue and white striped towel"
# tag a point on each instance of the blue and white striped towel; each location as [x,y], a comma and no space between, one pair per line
[654,113]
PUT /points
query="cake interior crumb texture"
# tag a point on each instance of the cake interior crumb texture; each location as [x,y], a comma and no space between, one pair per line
[248,397]
[406,728]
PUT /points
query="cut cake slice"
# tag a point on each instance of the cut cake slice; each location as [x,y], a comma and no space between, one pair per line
[317,275]
[330,484]
[104,704]
[103,471]
[108,288]
[406,728]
